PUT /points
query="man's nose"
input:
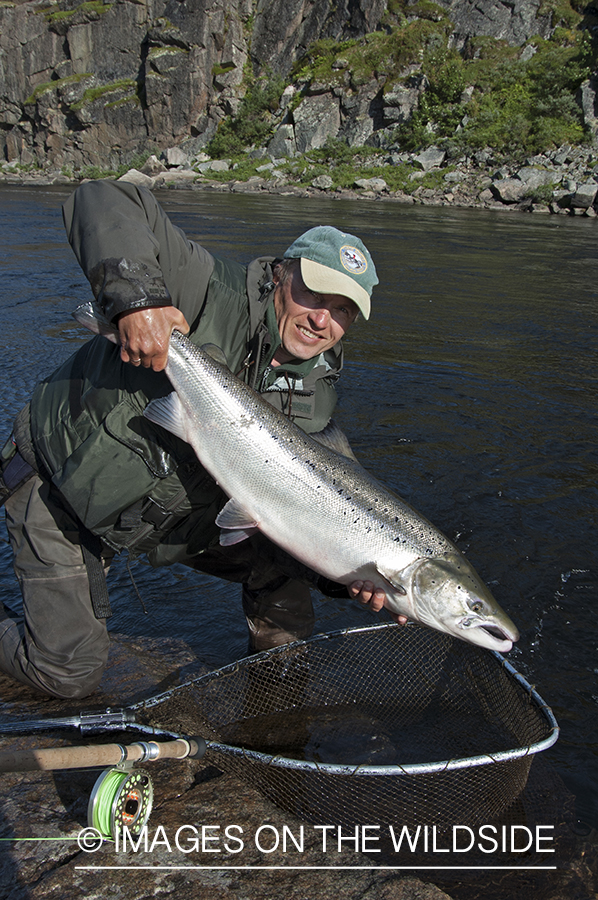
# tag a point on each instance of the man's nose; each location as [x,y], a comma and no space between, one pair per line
[320,316]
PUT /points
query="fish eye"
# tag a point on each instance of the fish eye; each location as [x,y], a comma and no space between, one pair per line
[477,606]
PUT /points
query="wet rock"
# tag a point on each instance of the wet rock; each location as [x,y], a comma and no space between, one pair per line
[194,801]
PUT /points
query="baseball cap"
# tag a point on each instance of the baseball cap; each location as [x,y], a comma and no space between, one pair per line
[333,262]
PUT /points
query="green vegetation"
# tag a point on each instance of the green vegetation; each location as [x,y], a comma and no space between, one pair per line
[90,6]
[95,172]
[223,69]
[95,93]
[47,86]
[516,106]
[343,164]
[171,50]
[253,123]
[516,100]
[513,103]
[542,194]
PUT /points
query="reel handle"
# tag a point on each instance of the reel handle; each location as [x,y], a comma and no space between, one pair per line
[50,758]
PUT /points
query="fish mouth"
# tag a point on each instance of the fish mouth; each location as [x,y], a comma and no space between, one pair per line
[489,634]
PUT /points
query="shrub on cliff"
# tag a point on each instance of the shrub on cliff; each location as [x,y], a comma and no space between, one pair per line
[516,105]
[253,124]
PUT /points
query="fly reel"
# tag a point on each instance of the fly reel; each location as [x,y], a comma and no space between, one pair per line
[120,797]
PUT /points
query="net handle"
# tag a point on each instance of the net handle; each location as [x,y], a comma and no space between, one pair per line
[50,758]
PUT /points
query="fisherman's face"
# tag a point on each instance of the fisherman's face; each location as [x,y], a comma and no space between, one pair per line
[308,323]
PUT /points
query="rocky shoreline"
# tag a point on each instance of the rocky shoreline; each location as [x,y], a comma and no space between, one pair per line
[560,182]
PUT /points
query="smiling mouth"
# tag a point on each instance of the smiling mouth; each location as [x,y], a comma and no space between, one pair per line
[307,333]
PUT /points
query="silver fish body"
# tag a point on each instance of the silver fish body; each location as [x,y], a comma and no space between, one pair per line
[320,506]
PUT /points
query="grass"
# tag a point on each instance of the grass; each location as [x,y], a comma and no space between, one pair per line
[90,6]
[96,93]
[55,85]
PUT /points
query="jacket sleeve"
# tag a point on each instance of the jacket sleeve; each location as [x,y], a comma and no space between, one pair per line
[131,253]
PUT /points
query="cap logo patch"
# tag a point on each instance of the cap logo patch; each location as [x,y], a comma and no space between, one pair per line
[353,260]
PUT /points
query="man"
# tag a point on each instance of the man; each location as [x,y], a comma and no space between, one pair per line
[85,475]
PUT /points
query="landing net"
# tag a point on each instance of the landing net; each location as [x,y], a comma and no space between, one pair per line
[396,724]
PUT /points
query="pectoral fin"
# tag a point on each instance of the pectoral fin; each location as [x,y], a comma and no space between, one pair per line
[237,523]
[394,580]
[168,412]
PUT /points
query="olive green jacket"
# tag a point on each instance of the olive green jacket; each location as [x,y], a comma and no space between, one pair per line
[129,481]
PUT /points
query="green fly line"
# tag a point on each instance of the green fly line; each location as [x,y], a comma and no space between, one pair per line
[120,799]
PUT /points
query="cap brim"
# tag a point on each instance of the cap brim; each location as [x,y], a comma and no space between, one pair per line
[324,280]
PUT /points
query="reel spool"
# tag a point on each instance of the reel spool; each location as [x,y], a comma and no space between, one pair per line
[120,798]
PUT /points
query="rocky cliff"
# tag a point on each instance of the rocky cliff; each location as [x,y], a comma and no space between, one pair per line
[97,82]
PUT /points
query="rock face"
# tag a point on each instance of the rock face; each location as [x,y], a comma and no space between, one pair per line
[509,21]
[96,83]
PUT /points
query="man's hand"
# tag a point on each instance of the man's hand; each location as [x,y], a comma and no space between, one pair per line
[145,335]
[367,593]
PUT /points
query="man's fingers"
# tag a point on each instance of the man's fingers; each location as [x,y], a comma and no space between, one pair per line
[145,335]
[367,593]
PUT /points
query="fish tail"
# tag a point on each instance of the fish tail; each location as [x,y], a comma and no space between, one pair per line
[91,317]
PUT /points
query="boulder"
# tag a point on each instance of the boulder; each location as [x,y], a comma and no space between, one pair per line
[431,158]
[322,181]
[134,176]
[316,119]
[174,156]
[587,100]
[371,184]
[585,195]
[214,165]
[509,190]
[513,22]
[401,101]
[283,143]
[152,166]
[535,178]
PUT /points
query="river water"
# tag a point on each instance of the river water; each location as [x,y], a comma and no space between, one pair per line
[471,392]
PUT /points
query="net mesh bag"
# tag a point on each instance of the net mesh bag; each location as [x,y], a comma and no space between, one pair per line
[405,723]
